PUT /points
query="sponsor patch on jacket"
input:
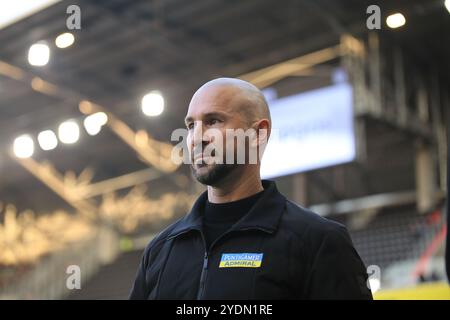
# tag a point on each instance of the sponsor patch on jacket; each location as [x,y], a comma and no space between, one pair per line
[241,260]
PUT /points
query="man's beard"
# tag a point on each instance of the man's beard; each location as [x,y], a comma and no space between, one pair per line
[214,175]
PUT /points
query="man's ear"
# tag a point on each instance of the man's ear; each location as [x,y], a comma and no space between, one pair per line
[262,130]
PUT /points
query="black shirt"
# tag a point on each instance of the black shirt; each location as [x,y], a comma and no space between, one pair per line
[219,217]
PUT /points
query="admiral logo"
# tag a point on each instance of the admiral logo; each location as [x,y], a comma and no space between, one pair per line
[241,260]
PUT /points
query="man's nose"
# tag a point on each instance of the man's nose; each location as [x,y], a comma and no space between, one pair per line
[199,138]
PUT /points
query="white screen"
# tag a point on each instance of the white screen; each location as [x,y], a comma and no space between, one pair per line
[310,130]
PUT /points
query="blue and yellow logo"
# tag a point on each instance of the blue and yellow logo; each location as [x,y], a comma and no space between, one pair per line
[241,260]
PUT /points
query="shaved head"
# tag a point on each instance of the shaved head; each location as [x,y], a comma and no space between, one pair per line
[241,96]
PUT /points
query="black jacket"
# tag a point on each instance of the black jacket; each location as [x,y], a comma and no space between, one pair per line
[277,251]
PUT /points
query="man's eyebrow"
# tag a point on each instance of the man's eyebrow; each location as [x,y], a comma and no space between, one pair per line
[207,115]
[215,114]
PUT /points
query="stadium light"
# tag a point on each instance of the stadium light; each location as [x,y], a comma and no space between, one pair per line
[447,5]
[47,140]
[64,40]
[94,122]
[395,20]
[13,11]
[152,104]
[39,54]
[68,132]
[23,146]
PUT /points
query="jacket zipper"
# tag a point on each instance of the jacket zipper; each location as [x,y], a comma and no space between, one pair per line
[201,289]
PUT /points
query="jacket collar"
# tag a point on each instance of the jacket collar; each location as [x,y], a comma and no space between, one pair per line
[264,215]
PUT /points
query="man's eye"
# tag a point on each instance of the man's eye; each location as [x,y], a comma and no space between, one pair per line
[190,126]
[213,121]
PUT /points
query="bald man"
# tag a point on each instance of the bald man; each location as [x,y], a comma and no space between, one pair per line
[242,239]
